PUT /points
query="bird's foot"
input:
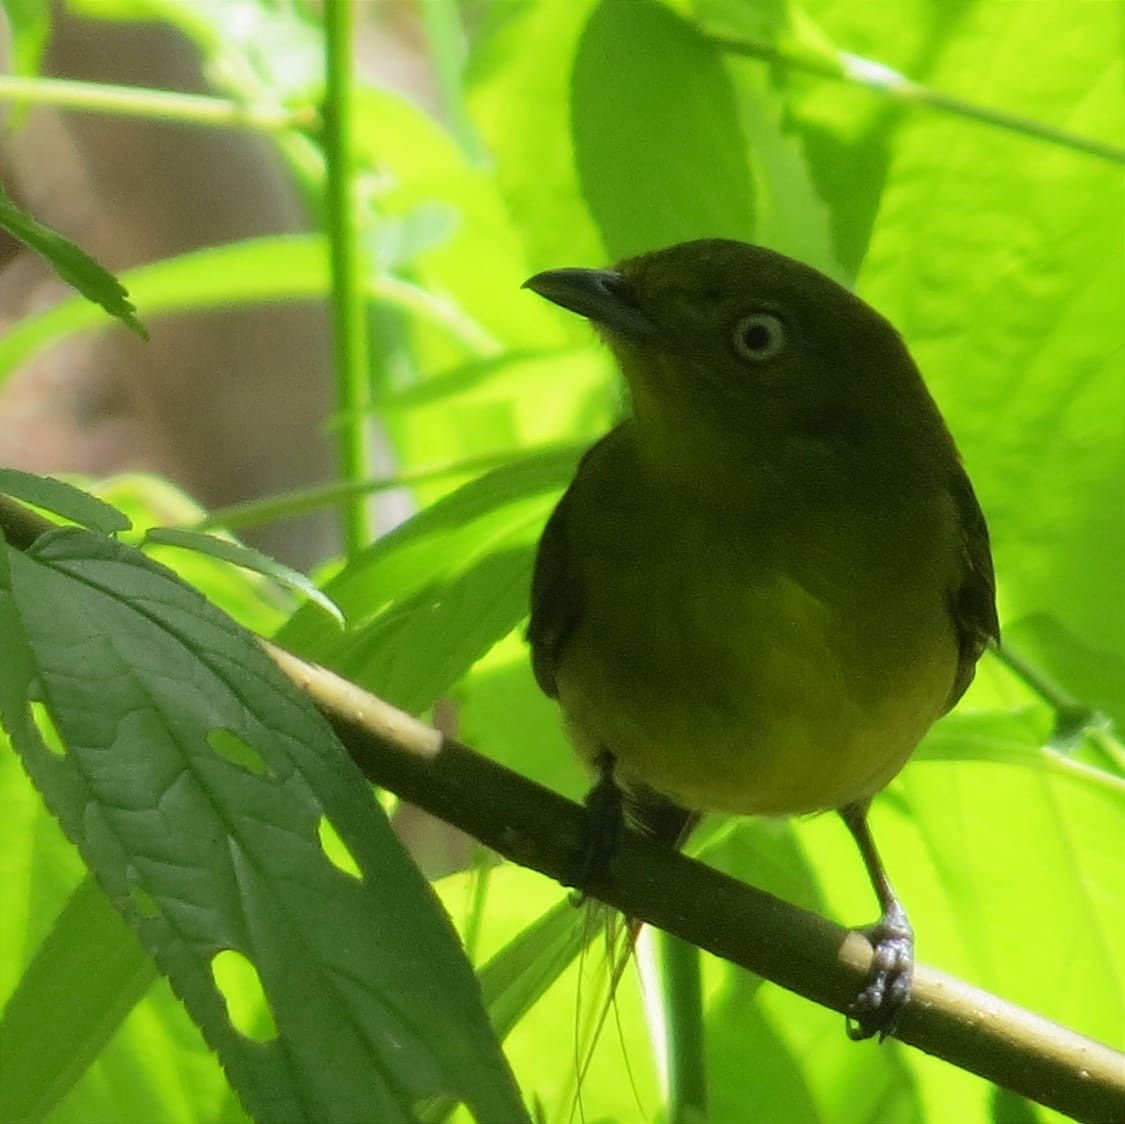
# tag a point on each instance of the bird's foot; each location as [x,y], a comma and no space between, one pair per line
[602,832]
[877,1007]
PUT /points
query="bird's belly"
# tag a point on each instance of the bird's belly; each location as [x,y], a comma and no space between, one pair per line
[759,697]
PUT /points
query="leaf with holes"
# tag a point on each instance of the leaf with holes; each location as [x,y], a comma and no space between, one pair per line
[195,781]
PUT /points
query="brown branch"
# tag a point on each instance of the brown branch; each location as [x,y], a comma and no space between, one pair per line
[537,828]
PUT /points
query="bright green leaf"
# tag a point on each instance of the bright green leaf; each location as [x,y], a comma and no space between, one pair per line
[73,265]
[657,138]
[431,597]
[248,559]
[63,499]
[84,980]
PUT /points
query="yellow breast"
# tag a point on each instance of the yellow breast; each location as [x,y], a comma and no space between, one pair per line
[788,671]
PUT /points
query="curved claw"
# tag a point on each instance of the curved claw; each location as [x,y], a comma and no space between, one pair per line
[877,1007]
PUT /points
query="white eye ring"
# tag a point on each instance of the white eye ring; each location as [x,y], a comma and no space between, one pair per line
[759,337]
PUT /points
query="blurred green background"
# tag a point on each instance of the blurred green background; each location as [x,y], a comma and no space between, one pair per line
[978,205]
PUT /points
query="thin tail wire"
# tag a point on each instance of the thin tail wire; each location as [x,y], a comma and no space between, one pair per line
[668,823]
[620,943]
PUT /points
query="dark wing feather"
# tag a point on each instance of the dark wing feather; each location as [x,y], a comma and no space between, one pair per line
[556,589]
[556,593]
[973,603]
[556,598]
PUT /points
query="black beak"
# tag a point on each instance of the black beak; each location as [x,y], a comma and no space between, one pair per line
[601,295]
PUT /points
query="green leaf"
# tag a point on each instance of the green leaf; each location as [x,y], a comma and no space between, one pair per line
[248,559]
[375,1006]
[30,21]
[517,977]
[284,267]
[792,217]
[63,499]
[279,268]
[73,265]
[1018,319]
[86,977]
[435,201]
[498,702]
[657,137]
[846,133]
[430,598]
[519,93]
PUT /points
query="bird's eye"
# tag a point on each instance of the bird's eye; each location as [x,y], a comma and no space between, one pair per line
[759,336]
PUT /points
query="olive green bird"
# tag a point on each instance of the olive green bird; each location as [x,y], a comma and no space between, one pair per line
[764,586]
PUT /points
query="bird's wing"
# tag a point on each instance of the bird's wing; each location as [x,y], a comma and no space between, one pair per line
[556,595]
[973,602]
[556,599]
[556,586]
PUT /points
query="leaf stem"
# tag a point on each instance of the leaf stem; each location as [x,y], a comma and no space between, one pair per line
[300,501]
[348,303]
[135,101]
[682,987]
[840,66]
[1071,716]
